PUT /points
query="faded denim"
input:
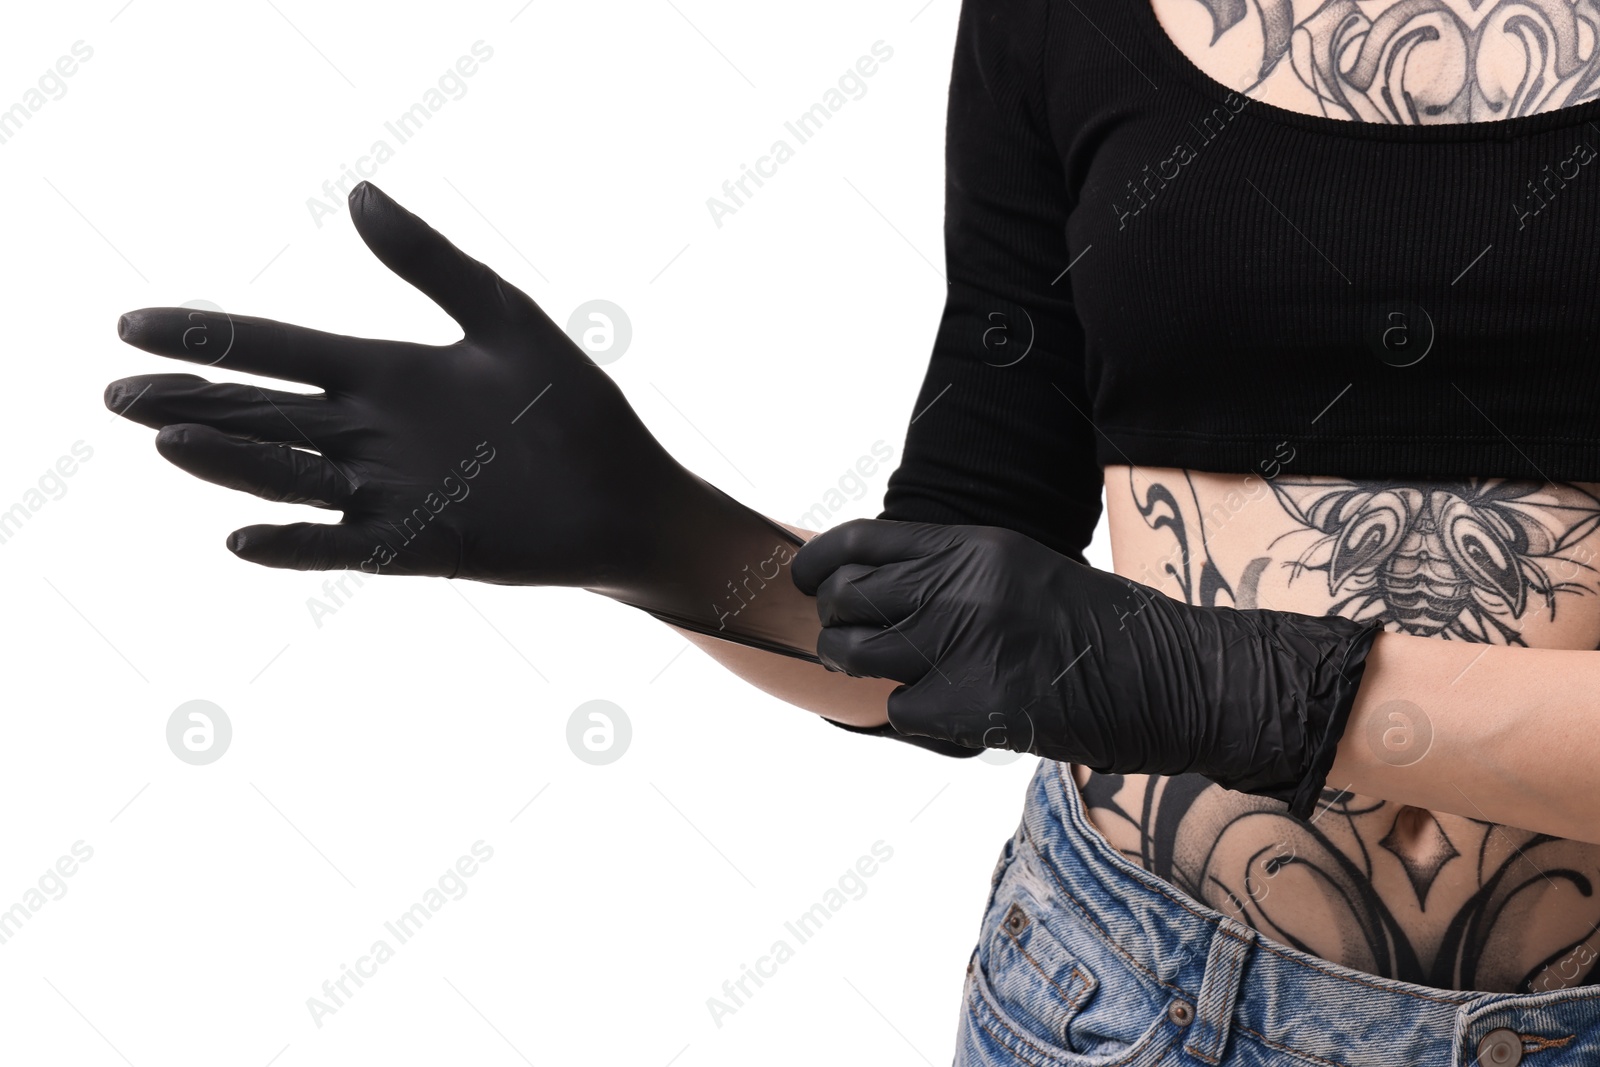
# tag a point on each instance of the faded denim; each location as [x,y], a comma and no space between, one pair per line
[1087,960]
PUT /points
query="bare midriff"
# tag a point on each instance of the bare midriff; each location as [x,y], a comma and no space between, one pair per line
[1442,899]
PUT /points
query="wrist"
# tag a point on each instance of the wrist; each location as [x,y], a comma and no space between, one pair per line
[1287,696]
[1344,671]
[709,564]
[1379,735]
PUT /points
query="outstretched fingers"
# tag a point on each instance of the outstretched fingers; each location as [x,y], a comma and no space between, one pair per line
[255,345]
[273,472]
[307,546]
[248,411]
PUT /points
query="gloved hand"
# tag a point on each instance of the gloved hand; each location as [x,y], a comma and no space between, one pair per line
[1002,643]
[506,457]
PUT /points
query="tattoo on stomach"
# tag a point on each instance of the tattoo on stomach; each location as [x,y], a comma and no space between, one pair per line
[1439,899]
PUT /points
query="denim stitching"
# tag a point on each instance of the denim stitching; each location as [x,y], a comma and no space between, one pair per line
[1082,979]
[1362,981]
[1007,1046]
[1233,973]
[1310,1057]
[1109,941]
[1049,1057]
[1002,1043]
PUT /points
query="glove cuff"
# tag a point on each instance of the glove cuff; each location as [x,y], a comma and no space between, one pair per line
[1282,704]
[1343,671]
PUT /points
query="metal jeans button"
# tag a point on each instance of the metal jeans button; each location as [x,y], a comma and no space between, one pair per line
[1500,1048]
[1181,1012]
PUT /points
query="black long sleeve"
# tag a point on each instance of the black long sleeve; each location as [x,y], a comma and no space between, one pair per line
[1000,435]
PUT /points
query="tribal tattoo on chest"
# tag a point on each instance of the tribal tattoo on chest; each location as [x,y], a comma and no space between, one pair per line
[1474,560]
[1409,62]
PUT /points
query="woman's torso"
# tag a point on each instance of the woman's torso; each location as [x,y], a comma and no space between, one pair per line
[1429,897]
[1438,898]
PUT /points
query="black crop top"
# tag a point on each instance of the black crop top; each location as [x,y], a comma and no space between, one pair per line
[1146,267]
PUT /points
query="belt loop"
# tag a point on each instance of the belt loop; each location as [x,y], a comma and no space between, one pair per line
[1219,990]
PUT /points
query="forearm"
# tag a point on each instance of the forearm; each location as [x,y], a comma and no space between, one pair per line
[857,701]
[1504,734]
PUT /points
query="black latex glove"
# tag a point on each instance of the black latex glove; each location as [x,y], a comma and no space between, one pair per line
[1003,643]
[506,457]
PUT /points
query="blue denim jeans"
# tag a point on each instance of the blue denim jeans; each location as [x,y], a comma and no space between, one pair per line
[1086,960]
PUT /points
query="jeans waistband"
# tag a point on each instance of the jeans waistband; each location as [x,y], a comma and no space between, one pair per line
[1237,979]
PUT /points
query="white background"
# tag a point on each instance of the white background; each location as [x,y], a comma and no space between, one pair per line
[372,751]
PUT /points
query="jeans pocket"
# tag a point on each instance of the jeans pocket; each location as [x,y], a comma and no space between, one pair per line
[1044,991]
